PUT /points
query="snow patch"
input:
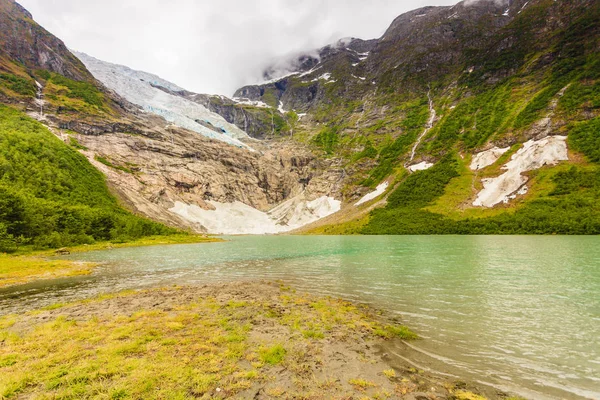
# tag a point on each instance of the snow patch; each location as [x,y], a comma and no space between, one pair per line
[280,108]
[522,8]
[297,212]
[487,158]
[375,194]
[241,219]
[143,89]
[302,75]
[533,155]
[275,80]
[422,166]
[255,103]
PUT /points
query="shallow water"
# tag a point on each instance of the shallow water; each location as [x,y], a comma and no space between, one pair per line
[521,313]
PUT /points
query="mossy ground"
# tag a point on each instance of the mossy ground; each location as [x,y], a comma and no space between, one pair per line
[235,340]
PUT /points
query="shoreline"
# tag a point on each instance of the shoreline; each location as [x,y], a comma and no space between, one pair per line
[31,266]
[244,339]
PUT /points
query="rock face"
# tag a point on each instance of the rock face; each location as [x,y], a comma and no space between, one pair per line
[155,170]
[257,120]
[24,41]
[295,82]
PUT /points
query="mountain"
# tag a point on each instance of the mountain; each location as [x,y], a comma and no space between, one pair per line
[163,154]
[157,96]
[486,106]
[476,118]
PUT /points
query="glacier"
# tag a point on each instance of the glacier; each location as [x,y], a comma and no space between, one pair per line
[157,96]
[237,218]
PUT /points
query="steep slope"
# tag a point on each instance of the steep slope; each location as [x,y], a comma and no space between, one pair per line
[33,47]
[450,84]
[164,171]
[157,96]
[50,196]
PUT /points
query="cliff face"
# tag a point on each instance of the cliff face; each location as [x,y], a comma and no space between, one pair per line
[24,41]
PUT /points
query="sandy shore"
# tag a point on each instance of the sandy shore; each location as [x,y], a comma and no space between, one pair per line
[249,340]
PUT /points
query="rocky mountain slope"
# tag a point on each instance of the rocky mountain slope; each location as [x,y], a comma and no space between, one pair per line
[476,118]
[513,84]
[179,164]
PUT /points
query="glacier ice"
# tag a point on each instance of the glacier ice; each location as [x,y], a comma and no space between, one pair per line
[144,89]
[238,218]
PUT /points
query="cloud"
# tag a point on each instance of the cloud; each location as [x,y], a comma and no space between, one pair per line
[211,47]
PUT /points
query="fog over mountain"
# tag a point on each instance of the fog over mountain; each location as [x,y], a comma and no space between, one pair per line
[211,47]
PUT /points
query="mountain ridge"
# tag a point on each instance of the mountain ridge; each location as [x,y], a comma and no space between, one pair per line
[442,87]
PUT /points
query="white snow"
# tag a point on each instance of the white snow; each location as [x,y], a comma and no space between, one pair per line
[533,155]
[255,103]
[487,158]
[375,194]
[422,166]
[522,8]
[302,75]
[362,78]
[325,77]
[506,13]
[240,219]
[297,212]
[137,87]
[280,108]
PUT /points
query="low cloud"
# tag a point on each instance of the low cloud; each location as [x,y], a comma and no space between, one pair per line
[212,47]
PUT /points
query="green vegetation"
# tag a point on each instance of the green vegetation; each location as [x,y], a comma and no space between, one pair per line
[401,332]
[19,85]
[412,123]
[272,355]
[81,90]
[585,137]
[179,343]
[327,140]
[571,207]
[75,144]
[51,196]
[19,270]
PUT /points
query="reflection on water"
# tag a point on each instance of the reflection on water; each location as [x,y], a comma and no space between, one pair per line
[519,312]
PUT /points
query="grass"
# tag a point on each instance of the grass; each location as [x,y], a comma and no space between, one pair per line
[177,343]
[361,384]
[401,332]
[20,270]
[390,373]
[273,355]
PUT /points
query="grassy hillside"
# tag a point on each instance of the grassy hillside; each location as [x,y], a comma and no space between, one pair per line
[51,196]
[563,201]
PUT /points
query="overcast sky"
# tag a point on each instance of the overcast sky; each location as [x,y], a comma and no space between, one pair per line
[210,46]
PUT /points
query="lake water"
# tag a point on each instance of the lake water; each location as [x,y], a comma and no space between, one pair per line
[518,312]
